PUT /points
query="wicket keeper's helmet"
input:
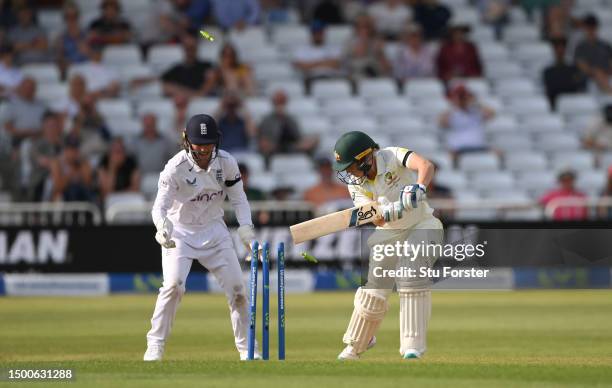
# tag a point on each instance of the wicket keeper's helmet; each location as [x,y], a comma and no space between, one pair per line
[353,147]
[201,129]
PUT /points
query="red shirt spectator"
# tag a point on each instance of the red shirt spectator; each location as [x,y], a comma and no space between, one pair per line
[458,57]
[566,190]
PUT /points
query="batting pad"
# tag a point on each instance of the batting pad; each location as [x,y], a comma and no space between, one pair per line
[415,310]
[370,309]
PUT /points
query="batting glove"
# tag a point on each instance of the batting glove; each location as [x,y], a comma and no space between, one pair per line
[164,234]
[392,211]
[411,195]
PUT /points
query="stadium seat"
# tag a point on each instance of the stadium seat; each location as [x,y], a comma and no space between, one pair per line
[424,88]
[515,88]
[164,56]
[543,123]
[487,181]
[591,181]
[148,185]
[501,69]
[465,16]
[479,161]
[208,105]
[148,91]
[290,36]
[441,159]
[257,55]
[303,106]
[501,123]
[291,87]
[264,181]
[537,182]
[253,160]
[42,73]
[478,86]
[121,55]
[573,104]
[53,92]
[124,127]
[328,89]
[130,72]
[273,72]
[605,160]
[390,107]
[431,108]
[577,160]
[356,123]
[159,107]
[258,107]
[525,161]
[114,108]
[51,21]
[376,88]
[482,33]
[209,52]
[135,201]
[559,142]
[344,107]
[424,144]
[527,106]
[253,36]
[518,34]
[493,51]
[454,180]
[538,52]
[314,125]
[290,164]
[300,182]
[511,142]
[399,125]
[337,35]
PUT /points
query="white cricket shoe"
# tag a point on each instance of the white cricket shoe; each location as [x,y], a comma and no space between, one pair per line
[244,356]
[349,353]
[412,354]
[154,353]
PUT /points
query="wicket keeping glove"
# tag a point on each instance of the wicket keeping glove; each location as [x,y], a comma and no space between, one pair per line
[392,211]
[247,235]
[164,233]
[411,195]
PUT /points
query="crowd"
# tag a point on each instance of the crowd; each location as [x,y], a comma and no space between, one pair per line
[65,150]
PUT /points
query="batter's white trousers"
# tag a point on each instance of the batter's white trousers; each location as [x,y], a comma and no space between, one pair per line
[216,253]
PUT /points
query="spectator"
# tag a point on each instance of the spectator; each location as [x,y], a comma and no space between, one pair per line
[151,149]
[71,46]
[101,80]
[317,59]
[29,40]
[9,166]
[186,78]
[170,19]
[558,20]
[234,123]
[118,171]
[606,211]
[390,17]
[10,75]
[465,121]
[329,12]
[328,189]
[252,193]
[566,190]
[72,175]
[181,105]
[42,154]
[437,191]
[229,75]
[279,132]
[458,57]
[495,13]
[433,18]
[414,58]
[561,77]
[364,54]
[235,14]
[599,135]
[111,27]
[593,55]
[88,125]
[24,113]
[275,12]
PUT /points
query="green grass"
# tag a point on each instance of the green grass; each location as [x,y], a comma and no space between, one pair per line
[509,339]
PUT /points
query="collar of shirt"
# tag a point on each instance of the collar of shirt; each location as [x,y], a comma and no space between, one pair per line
[213,164]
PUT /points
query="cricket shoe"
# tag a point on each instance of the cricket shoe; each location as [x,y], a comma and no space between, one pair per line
[412,354]
[349,353]
[244,356]
[154,353]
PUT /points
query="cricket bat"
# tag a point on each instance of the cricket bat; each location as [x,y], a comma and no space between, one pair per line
[334,222]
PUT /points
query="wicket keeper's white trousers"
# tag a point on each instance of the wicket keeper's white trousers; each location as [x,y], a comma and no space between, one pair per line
[216,253]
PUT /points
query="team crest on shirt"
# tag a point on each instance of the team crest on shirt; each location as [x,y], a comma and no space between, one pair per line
[391,178]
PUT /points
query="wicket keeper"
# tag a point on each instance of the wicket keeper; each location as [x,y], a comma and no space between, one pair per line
[397,178]
[188,216]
